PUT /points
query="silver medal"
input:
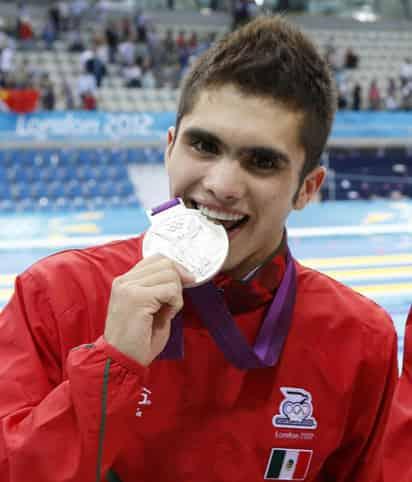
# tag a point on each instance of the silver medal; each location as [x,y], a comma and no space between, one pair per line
[190,238]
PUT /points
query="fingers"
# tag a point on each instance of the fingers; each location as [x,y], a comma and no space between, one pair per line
[153,295]
[169,294]
[154,265]
[142,303]
[186,276]
[151,288]
[155,279]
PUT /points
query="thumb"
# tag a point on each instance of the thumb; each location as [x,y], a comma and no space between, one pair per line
[186,277]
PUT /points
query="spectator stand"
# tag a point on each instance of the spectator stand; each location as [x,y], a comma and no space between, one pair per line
[55,177]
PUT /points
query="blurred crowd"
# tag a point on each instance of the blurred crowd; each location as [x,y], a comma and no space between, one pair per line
[131,48]
[396,95]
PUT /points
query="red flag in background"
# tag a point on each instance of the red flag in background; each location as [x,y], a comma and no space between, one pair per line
[19,100]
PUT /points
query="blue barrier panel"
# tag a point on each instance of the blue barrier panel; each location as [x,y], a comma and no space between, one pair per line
[103,126]
[372,125]
[90,126]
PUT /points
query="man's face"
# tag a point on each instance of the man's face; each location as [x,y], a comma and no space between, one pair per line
[238,158]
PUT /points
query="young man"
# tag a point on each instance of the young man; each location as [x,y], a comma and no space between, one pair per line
[91,386]
[398,440]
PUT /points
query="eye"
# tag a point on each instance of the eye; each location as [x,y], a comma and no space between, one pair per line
[264,162]
[204,147]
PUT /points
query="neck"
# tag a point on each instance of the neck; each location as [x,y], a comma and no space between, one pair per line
[246,271]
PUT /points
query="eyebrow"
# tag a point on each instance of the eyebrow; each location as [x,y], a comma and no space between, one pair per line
[205,135]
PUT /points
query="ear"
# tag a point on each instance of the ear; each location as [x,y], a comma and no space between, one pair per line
[170,144]
[310,187]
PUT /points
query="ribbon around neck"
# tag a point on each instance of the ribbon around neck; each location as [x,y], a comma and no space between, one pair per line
[211,307]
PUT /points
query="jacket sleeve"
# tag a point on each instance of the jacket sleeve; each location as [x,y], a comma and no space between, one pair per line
[359,458]
[398,440]
[60,420]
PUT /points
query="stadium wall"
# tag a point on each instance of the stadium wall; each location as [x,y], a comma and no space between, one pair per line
[360,129]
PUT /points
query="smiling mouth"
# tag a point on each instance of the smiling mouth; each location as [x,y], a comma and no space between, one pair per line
[218,218]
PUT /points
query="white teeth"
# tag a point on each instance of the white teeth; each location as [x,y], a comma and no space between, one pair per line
[223,216]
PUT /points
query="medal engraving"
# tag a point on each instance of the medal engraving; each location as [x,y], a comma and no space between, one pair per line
[188,237]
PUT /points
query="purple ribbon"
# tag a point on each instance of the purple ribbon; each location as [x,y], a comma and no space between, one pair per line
[166,205]
[211,307]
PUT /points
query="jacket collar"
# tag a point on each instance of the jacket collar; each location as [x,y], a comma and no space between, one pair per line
[258,287]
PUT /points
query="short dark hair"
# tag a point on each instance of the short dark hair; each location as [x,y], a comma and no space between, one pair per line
[270,57]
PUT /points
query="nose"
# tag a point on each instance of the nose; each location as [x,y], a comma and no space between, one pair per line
[225,180]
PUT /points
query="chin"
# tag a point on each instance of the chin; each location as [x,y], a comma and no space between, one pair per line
[227,266]
[231,266]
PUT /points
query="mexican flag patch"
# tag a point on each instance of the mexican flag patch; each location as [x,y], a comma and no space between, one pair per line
[288,464]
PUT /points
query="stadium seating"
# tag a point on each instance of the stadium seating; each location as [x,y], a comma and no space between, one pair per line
[52,179]
[368,173]
[381,52]
[83,178]
[44,179]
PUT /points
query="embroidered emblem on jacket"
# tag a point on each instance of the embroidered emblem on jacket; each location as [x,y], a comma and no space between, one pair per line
[295,410]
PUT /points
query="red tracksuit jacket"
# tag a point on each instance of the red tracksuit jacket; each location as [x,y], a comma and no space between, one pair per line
[398,443]
[74,409]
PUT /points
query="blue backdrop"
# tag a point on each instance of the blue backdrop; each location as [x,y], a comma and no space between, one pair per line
[75,125]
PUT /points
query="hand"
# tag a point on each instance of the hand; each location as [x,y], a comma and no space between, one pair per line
[142,304]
